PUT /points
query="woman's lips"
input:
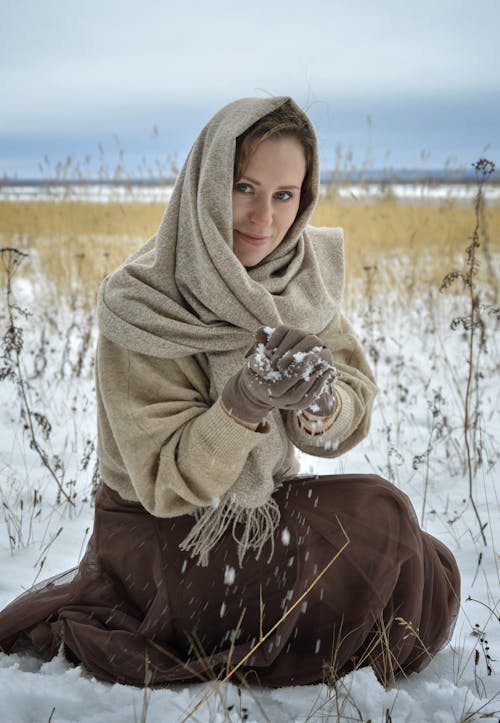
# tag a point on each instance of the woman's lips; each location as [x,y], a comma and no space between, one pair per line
[252,239]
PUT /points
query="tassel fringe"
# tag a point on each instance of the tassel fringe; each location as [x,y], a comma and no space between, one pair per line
[259,527]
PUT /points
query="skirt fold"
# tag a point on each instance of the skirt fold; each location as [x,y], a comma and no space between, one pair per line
[139,610]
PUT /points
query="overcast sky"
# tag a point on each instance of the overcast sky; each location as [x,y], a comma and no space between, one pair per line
[392,80]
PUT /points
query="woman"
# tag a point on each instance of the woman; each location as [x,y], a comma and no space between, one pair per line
[223,348]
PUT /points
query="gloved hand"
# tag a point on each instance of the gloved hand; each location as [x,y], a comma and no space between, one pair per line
[287,369]
[309,351]
[325,402]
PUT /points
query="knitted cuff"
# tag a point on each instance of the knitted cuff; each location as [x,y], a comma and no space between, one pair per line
[262,426]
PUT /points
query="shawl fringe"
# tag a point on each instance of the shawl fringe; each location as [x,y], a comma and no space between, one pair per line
[259,525]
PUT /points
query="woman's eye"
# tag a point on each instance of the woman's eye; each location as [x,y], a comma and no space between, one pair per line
[283,195]
[243,187]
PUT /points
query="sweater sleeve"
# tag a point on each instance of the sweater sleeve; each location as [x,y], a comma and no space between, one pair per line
[357,389]
[159,432]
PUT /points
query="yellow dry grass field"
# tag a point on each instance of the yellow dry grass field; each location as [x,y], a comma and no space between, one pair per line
[73,244]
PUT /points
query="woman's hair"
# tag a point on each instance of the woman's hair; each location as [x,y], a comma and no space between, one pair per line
[284,122]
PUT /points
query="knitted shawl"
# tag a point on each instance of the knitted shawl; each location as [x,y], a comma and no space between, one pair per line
[185,292]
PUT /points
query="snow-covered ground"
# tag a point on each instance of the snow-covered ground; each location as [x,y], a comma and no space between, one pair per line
[122,192]
[416,441]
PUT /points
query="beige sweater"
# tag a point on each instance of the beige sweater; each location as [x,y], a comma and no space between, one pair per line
[163,442]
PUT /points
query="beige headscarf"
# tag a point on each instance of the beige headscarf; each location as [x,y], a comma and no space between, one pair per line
[185,292]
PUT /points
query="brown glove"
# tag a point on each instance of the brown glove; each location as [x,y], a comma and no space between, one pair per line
[325,402]
[286,368]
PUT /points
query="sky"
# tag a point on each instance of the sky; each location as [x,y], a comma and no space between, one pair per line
[387,84]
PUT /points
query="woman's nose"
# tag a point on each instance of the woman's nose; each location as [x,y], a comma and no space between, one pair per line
[261,211]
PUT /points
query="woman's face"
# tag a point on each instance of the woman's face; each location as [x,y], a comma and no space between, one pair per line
[266,198]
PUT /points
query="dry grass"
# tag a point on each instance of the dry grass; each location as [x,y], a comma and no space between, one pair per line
[79,218]
[73,244]
[428,235]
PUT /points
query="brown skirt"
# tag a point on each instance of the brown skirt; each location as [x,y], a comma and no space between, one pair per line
[138,609]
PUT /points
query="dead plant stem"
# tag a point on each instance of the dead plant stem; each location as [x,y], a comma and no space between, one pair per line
[14,258]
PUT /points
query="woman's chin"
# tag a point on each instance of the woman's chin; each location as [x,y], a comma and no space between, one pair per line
[252,256]
[249,259]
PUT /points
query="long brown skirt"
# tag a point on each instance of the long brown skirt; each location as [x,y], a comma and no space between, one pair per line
[138,609]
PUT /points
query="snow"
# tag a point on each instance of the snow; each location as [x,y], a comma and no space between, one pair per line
[412,192]
[416,440]
[229,575]
[161,193]
[285,536]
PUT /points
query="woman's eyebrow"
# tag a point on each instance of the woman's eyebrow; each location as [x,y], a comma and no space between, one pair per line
[257,183]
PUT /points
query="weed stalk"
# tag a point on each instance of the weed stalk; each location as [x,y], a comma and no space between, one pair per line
[474,328]
[12,346]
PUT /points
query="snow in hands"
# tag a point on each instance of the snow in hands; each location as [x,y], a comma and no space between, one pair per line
[273,369]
